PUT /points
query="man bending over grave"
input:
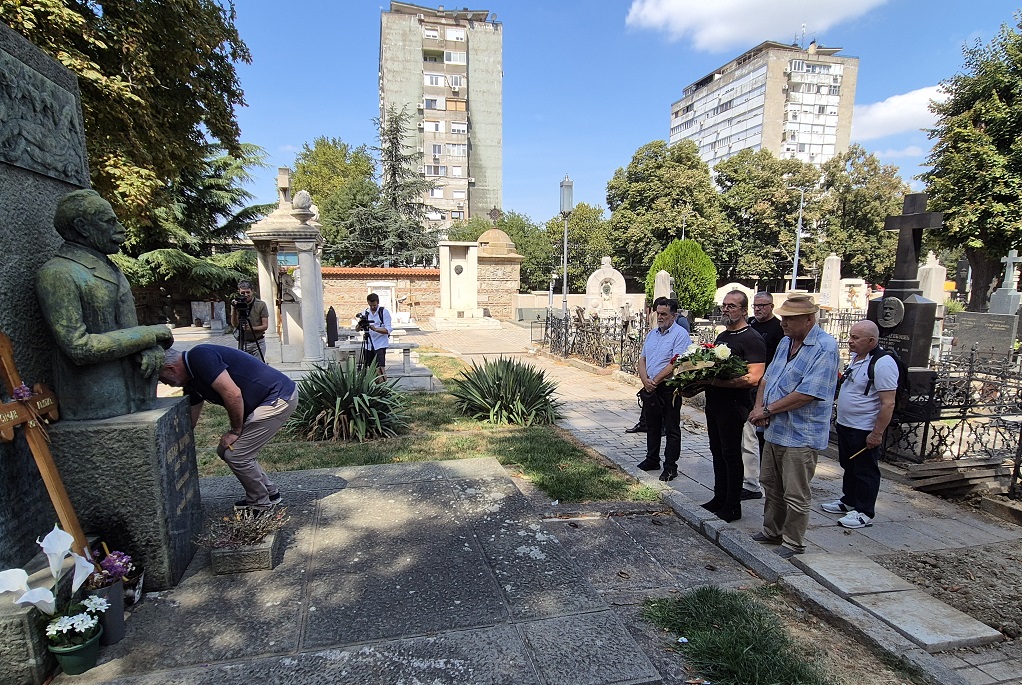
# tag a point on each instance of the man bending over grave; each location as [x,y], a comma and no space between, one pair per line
[105,364]
[258,400]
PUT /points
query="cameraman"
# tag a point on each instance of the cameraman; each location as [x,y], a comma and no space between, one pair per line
[257,321]
[379,329]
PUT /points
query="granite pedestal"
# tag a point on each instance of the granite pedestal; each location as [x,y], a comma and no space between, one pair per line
[133,480]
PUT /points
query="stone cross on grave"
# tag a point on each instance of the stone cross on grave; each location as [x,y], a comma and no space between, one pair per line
[29,410]
[1009,268]
[910,225]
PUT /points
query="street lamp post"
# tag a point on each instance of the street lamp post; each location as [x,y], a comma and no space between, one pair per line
[567,206]
[798,236]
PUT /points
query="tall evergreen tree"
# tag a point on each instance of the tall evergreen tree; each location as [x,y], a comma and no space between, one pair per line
[976,161]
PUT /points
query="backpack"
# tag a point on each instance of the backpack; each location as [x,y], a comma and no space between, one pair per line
[901,393]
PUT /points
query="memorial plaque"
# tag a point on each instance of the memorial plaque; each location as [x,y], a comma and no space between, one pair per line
[993,335]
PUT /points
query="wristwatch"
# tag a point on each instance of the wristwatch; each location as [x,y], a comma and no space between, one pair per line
[766,410]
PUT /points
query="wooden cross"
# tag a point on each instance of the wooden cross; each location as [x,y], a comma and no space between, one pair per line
[41,405]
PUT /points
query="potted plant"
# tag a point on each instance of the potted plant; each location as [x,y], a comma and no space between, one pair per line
[108,582]
[244,541]
[73,630]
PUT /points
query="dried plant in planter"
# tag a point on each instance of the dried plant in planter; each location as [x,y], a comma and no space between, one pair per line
[242,528]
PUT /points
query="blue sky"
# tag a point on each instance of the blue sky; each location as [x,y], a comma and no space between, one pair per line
[587,82]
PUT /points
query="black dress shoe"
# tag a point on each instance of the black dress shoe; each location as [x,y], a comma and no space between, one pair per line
[750,494]
[668,474]
[713,506]
[766,539]
[729,515]
[637,428]
[649,464]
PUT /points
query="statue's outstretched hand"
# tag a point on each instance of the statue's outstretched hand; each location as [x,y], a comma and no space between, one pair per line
[152,360]
[164,336]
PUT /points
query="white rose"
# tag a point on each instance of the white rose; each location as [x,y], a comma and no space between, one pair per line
[692,349]
[722,352]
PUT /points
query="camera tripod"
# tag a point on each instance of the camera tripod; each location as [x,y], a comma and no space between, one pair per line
[245,336]
[365,351]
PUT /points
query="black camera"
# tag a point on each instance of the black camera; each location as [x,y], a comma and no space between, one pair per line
[362,322]
[241,305]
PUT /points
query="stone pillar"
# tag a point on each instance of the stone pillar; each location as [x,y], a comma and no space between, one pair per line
[312,293]
[830,283]
[266,262]
[931,277]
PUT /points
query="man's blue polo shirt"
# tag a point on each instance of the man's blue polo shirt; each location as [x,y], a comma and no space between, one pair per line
[661,346]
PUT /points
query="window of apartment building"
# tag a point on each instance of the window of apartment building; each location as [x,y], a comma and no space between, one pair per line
[456,80]
[459,127]
[687,108]
[438,149]
[796,65]
[435,170]
[818,68]
[433,79]
[835,90]
[456,171]
[426,57]
[456,106]
[458,194]
[430,32]
[434,103]
[457,214]
[792,115]
[455,57]
[434,216]
[455,34]
[821,109]
[433,126]
[457,149]
[675,130]
[436,193]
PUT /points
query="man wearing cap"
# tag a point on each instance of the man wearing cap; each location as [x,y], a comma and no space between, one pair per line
[794,404]
[768,326]
[661,406]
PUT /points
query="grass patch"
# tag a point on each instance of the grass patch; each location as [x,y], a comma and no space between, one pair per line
[735,638]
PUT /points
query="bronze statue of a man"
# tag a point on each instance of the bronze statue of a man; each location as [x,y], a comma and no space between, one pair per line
[105,364]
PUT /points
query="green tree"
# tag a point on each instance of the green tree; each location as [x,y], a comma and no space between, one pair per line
[158,83]
[760,197]
[337,209]
[695,278]
[533,243]
[976,161]
[391,231]
[664,192]
[588,242]
[329,166]
[861,194]
[468,231]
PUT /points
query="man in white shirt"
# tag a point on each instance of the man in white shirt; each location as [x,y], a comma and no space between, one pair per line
[379,334]
[864,410]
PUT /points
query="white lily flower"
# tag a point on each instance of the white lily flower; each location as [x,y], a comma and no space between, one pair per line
[83,569]
[56,546]
[13,580]
[41,598]
[722,352]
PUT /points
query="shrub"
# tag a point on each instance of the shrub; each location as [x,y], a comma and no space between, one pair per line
[695,276]
[953,306]
[506,391]
[340,402]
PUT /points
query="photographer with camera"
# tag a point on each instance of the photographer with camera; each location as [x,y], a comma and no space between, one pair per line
[375,322]
[250,318]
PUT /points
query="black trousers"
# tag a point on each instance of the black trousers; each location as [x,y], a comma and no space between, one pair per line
[666,414]
[861,483]
[725,421]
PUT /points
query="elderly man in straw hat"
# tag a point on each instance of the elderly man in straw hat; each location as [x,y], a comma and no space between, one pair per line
[794,404]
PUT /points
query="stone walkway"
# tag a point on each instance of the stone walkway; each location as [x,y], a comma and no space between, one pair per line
[598,408]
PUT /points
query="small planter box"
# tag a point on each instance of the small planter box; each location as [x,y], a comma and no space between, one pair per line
[244,559]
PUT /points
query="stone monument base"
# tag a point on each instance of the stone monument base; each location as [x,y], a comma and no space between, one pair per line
[133,480]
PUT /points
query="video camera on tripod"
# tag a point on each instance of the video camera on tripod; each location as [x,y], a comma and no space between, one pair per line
[241,305]
[362,322]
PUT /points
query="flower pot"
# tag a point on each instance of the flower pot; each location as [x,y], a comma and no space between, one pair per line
[133,587]
[257,557]
[112,619]
[79,658]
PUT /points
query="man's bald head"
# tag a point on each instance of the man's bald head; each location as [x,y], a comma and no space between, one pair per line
[863,337]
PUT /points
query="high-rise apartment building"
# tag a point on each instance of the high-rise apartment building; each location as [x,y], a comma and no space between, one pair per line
[445,67]
[794,102]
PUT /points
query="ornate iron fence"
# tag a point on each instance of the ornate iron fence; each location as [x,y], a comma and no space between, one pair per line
[602,342]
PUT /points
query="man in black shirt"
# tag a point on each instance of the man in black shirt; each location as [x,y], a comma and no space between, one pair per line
[728,403]
[767,325]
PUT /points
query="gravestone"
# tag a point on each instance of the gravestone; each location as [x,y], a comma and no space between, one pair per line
[931,277]
[830,283]
[605,290]
[718,296]
[904,316]
[662,284]
[991,335]
[853,295]
[1007,298]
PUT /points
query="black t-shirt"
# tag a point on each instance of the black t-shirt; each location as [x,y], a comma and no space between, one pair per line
[771,332]
[747,344]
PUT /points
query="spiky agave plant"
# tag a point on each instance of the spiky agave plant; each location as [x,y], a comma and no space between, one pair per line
[506,391]
[342,402]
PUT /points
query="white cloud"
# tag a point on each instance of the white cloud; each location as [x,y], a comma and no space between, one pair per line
[910,151]
[896,114]
[723,24]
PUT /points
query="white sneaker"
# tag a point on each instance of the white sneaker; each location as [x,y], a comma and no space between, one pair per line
[855,519]
[835,507]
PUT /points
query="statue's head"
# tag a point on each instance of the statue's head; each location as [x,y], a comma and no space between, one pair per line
[84,217]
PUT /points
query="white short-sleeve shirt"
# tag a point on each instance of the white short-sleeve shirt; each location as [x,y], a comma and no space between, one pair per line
[855,407]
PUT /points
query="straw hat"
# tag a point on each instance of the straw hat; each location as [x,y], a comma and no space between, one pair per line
[796,305]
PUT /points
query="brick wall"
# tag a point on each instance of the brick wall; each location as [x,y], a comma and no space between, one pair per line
[345,289]
[498,282]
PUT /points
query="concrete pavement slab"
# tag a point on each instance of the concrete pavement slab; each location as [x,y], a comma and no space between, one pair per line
[849,575]
[928,622]
[588,649]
